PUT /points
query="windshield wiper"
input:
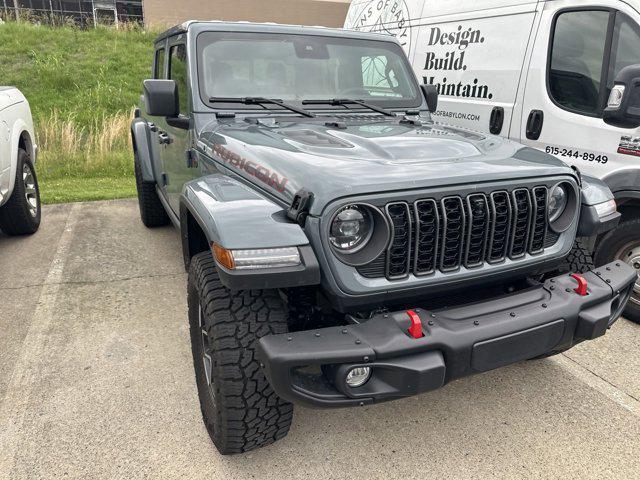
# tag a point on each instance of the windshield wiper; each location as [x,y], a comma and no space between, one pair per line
[348,101]
[260,101]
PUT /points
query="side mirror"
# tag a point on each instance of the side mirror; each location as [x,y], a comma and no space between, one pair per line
[623,107]
[161,98]
[430,93]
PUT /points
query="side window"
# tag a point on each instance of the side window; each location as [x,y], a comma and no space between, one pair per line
[158,68]
[178,72]
[625,48]
[577,59]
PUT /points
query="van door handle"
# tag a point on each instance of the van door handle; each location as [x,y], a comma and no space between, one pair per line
[496,120]
[534,124]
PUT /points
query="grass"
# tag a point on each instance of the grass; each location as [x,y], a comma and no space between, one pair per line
[82,86]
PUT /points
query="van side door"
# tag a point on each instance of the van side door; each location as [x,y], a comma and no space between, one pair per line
[579,49]
[476,60]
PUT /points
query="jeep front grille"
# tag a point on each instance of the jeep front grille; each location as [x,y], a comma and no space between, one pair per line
[444,235]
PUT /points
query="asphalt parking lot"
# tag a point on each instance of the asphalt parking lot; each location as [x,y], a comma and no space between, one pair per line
[96,382]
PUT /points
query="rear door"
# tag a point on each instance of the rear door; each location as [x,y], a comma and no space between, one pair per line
[579,49]
[8,112]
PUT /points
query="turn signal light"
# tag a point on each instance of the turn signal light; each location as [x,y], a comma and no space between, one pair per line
[224,257]
[255,259]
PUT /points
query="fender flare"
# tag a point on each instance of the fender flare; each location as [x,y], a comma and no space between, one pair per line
[19,128]
[594,190]
[141,138]
[624,184]
[235,217]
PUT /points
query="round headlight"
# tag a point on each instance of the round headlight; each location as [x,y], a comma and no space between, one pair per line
[351,228]
[558,199]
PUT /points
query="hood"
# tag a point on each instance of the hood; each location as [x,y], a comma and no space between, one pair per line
[346,159]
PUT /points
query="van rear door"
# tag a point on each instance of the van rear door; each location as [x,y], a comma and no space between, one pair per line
[579,49]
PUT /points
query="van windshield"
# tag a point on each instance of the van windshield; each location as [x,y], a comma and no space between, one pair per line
[294,68]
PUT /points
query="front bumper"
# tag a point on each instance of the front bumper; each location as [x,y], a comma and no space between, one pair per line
[309,367]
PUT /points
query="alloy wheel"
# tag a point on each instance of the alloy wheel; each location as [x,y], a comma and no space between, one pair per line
[630,254]
[30,192]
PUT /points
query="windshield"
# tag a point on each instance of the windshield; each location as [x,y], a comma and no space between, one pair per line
[294,68]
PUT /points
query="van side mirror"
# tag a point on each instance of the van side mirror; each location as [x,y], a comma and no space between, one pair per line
[623,107]
[430,93]
[161,98]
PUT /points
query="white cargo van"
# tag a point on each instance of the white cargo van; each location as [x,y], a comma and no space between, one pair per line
[562,76]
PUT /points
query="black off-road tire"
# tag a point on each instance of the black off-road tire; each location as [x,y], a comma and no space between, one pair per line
[239,408]
[613,246]
[16,217]
[152,211]
[579,260]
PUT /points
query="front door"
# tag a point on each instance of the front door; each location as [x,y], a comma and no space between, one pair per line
[174,141]
[579,50]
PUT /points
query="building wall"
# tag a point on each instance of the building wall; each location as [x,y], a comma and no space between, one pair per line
[329,13]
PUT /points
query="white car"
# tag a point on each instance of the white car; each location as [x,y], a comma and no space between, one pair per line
[19,192]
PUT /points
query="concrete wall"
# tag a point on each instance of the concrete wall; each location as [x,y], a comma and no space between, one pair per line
[329,13]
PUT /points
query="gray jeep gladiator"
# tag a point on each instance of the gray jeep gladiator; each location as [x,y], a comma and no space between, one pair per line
[342,248]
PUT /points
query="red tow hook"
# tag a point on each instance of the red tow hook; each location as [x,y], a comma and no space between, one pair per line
[581,289]
[415,330]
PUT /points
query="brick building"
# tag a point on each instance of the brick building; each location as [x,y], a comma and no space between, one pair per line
[329,13]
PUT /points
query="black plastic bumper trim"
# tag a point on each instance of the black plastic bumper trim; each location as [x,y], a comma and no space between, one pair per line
[458,341]
[591,224]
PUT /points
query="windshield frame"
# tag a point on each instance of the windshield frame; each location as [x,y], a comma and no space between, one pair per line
[391,103]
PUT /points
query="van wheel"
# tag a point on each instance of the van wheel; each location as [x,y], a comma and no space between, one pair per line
[152,211]
[239,408]
[623,243]
[21,214]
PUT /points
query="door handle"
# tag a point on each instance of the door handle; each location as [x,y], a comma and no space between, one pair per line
[534,124]
[164,138]
[153,127]
[496,120]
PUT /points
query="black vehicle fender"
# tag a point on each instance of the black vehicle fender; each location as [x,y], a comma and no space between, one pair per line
[624,184]
[216,209]
[141,139]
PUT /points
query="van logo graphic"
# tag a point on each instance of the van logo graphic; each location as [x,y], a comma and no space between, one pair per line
[384,16]
[629,146]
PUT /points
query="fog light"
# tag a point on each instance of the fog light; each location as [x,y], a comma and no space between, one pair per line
[358,376]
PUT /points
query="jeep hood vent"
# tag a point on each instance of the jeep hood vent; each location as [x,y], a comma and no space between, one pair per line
[313,138]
